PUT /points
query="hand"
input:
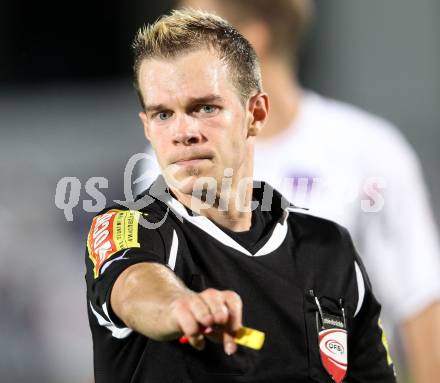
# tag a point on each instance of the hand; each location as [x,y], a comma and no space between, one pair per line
[212,313]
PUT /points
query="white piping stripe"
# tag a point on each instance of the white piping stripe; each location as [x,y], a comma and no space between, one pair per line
[203,223]
[275,241]
[119,333]
[361,287]
[173,252]
[206,225]
[108,263]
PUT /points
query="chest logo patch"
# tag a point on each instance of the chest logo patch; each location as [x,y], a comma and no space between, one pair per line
[333,351]
[111,232]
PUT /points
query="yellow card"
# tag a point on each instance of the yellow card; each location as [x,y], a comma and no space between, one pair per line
[250,337]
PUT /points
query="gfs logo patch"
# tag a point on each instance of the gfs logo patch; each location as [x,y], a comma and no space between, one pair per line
[333,350]
[111,232]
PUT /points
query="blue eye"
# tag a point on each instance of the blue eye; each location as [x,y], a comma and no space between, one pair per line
[208,109]
[164,115]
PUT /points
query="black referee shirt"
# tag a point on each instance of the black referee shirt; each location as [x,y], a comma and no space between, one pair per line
[293,272]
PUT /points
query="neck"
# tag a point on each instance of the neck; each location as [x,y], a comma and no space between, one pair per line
[230,202]
[228,207]
[284,92]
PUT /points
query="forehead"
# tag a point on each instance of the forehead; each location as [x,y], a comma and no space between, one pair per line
[189,75]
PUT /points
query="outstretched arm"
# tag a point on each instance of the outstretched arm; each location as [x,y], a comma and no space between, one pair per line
[150,299]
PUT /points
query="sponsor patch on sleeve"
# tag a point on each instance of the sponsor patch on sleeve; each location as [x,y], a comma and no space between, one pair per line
[111,232]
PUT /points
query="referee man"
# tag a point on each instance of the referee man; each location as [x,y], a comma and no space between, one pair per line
[210,250]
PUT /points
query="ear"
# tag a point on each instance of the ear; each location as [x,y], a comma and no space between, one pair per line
[144,120]
[259,110]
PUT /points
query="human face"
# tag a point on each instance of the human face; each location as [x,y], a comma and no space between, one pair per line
[194,119]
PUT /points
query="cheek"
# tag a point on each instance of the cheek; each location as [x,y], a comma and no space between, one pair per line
[158,134]
[158,142]
[234,121]
[233,139]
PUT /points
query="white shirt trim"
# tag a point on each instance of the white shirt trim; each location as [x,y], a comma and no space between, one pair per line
[276,239]
[119,333]
[361,288]
[173,252]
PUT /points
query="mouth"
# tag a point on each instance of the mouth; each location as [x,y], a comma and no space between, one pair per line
[190,163]
[192,160]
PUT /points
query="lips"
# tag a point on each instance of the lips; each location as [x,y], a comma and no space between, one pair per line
[192,163]
[193,158]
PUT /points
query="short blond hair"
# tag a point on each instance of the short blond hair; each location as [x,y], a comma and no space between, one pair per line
[188,30]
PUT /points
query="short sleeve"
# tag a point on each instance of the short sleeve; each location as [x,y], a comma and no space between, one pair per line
[117,239]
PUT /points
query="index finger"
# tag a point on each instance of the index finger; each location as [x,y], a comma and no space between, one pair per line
[235,308]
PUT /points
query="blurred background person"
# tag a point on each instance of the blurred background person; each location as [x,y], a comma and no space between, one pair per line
[348,166]
[65,96]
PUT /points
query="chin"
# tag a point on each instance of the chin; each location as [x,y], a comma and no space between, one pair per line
[191,180]
[182,183]
[196,186]
[186,185]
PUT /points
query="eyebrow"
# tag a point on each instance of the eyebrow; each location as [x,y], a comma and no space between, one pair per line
[192,101]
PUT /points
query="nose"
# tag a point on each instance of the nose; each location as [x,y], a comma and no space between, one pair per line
[186,131]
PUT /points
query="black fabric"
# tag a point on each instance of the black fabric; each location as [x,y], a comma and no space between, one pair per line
[315,254]
[262,224]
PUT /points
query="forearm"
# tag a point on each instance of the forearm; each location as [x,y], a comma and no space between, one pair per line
[150,299]
[142,297]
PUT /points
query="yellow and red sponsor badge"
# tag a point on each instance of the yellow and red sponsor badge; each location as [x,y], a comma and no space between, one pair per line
[111,232]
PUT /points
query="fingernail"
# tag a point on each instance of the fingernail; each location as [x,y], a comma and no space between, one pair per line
[229,348]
